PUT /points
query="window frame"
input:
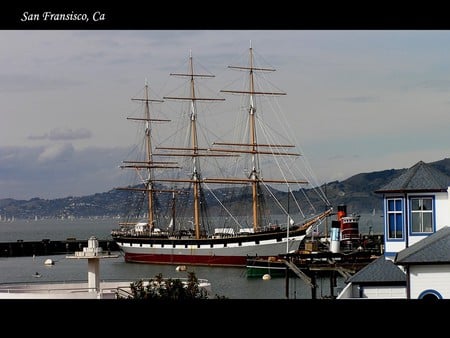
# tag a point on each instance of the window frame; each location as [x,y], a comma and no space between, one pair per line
[395,214]
[432,212]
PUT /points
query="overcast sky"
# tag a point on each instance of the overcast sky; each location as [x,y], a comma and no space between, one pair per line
[358,101]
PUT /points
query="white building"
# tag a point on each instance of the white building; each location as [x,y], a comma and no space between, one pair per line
[416,238]
[427,266]
[416,204]
[380,279]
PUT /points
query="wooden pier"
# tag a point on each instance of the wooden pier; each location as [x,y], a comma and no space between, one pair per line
[325,264]
[308,265]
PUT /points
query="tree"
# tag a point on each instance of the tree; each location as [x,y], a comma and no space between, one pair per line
[168,288]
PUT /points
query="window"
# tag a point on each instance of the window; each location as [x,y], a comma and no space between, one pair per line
[422,215]
[395,218]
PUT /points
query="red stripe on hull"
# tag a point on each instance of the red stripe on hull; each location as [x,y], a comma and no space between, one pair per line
[187,259]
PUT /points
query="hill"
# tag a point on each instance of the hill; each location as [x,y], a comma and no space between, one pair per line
[357,192]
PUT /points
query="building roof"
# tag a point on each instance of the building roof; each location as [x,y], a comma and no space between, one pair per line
[420,177]
[381,270]
[432,249]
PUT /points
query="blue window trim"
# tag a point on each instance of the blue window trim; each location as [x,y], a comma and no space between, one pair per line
[386,219]
[433,216]
[429,292]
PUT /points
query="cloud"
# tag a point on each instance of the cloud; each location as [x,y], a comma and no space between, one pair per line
[38,137]
[56,152]
[28,82]
[436,85]
[358,99]
[58,171]
[69,134]
[368,93]
[63,134]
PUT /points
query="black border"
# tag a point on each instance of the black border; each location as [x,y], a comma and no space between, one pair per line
[236,16]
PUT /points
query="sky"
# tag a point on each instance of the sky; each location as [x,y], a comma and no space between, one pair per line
[357,100]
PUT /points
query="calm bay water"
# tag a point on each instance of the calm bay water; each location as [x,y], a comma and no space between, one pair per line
[231,283]
[54,229]
[228,282]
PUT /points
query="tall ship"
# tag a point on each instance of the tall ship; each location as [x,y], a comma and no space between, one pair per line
[210,200]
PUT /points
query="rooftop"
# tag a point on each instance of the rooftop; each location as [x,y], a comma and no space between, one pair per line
[434,249]
[381,270]
[420,177]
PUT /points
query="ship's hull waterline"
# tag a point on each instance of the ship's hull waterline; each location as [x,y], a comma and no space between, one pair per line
[205,252]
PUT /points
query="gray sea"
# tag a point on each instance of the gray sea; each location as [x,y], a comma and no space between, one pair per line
[231,283]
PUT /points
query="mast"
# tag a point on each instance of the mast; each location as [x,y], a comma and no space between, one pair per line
[148,164]
[255,169]
[173,211]
[253,147]
[194,150]
[149,159]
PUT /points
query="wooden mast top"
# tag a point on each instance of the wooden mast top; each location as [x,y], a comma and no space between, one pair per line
[252,147]
[148,164]
[193,151]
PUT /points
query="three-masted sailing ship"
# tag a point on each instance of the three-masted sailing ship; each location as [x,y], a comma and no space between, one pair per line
[188,235]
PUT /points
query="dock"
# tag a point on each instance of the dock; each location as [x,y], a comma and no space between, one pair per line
[320,262]
[308,266]
[319,258]
[46,247]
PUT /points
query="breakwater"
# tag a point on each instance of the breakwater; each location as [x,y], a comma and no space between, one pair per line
[48,247]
